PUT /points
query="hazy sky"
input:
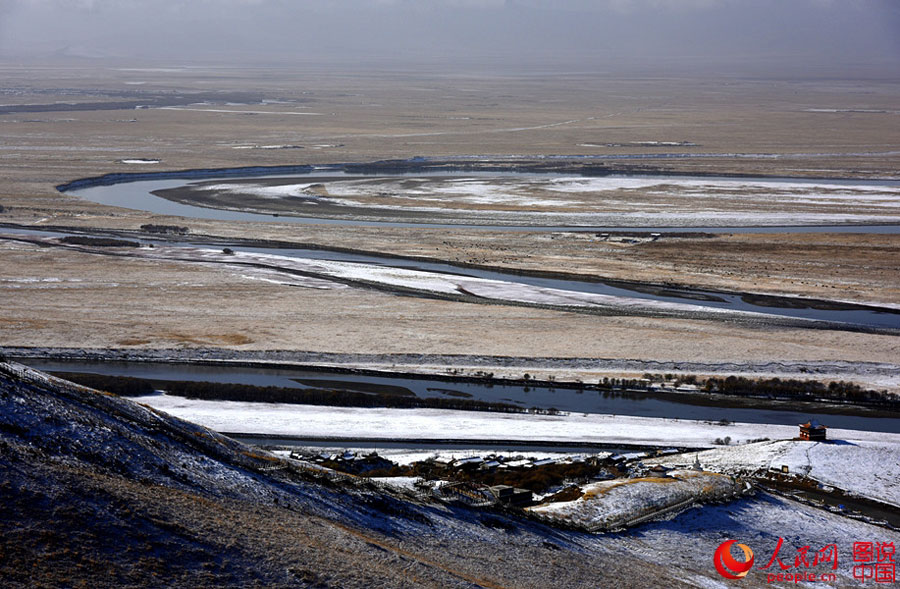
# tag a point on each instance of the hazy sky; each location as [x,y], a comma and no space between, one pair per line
[583,33]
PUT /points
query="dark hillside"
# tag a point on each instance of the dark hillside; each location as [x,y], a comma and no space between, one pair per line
[99,491]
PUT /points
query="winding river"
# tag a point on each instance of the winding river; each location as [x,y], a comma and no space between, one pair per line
[136,191]
[836,314]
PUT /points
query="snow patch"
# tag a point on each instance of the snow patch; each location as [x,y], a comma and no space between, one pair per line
[615,503]
[307,421]
[865,467]
[139,161]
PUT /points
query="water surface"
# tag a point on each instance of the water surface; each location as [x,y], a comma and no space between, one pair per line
[565,399]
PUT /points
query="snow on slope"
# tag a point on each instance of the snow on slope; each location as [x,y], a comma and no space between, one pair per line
[869,468]
[864,463]
[613,503]
[692,538]
[79,424]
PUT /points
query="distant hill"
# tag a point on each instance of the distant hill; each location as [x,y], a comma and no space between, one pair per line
[100,491]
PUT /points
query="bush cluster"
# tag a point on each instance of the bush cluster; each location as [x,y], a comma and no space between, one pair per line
[176,229]
[536,479]
[98,241]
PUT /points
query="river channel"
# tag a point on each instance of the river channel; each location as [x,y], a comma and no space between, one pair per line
[662,405]
[791,307]
[136,191]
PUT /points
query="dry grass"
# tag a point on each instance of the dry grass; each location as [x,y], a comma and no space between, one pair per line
[158,305]
[147,301]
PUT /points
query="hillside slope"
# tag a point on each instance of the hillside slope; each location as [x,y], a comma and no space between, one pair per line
[98,490]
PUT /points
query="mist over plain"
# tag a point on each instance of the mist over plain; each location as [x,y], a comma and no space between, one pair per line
[758,37]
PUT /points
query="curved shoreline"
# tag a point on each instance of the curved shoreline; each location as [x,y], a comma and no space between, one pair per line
[426,166]
[421,164]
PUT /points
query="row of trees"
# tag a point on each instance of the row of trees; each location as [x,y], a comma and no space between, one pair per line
[800,390]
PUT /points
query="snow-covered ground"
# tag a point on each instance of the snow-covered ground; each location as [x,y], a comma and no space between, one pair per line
[579,190]
[240,112]
[689,541]
[863,463]
[613,503]
[436,282]
[308,421]
[865,467]
[139,160]
[406,456]
[607,200]
[330,274]
[400,482]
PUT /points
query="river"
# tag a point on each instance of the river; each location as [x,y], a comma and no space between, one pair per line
[660,405]
[135,191]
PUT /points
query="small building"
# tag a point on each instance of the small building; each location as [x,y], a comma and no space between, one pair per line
[812,431]
[472,494]
[512,496]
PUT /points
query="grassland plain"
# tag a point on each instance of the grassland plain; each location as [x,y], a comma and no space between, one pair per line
[64,122]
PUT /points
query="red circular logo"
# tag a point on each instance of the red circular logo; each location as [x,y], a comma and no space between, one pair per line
[726,564]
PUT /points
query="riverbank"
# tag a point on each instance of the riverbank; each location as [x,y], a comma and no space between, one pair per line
[859,266]
[311,422]
[495,385]
[459,365]
[48,288]
[515,193]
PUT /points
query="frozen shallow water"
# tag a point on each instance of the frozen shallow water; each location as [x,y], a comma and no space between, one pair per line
[519,201]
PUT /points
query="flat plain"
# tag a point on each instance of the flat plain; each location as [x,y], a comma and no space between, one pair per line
[61,122]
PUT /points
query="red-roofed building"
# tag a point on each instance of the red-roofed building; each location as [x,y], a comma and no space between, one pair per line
[813,431]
